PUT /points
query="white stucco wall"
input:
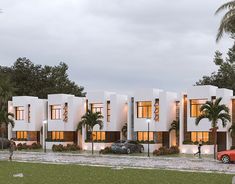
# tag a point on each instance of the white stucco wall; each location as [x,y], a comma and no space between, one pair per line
[167,109]
[37,112]
[76,109]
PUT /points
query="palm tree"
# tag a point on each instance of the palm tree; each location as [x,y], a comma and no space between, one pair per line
[213,111]
[89,120]
[5,119]
[124,130]
[227,24]
[176,127]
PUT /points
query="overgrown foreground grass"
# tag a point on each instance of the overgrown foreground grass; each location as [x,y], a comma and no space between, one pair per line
[35,173]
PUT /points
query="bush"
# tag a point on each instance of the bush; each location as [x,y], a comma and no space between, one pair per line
[24,146]
[106,150]
[232,147]
[61,148]
[166,151]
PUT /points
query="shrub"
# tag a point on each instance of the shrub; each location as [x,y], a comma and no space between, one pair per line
[19,146]
[106,150]
[35,146]
[24,146]
[232,147]
[166,151]
[61,148]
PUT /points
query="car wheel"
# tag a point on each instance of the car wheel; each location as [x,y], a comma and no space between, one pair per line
[128,150]
[141,150]
[225,159]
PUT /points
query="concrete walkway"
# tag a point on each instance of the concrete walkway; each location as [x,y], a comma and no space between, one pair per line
[173,163]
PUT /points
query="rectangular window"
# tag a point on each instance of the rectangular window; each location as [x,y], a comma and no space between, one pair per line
[98,136]
[143,136]
[96,107]
[19,113]
[144,109]
[108,111]
[177,110]
[197,136]
[156,111]
[195,106]
[57,135]
[56,112]
[21,135]
[29,112]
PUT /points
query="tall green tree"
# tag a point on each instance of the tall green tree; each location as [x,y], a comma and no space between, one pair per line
[227,24]
[36,80]
[214,112]
[224,77]
[89,120]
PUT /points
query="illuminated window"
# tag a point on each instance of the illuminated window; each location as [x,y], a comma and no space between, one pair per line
[195,106]
[177,110]
[56,112]
[96,107]
[108,111]
[65,112]
[156,111]
[143,136]
[19,113]
[144,109]
[21,135]
[98,136]
[57,136]
[197,136]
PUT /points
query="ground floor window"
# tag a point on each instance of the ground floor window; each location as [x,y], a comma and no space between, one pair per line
[102,136]
[21,135]
[197,136]
[67,136]
[143,136]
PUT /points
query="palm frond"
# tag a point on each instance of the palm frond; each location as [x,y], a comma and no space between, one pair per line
[228,5]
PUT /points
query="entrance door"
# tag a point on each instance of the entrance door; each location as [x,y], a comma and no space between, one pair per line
[221,141]
[165,139]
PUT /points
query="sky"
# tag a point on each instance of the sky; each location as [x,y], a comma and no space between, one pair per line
[115,45]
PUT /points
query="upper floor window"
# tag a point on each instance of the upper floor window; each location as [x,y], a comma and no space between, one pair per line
[108,111]
[29,112]
[156,111]
[56,112]
[19,113]
[96,107]
[144,109]
[177,103]
[195,106]
[197,136]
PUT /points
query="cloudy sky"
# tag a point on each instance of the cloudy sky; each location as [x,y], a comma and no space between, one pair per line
[117,45]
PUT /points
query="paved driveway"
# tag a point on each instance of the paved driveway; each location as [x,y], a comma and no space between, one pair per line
[175,163]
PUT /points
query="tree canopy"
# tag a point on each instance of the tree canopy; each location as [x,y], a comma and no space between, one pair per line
[31,79]
[225,76]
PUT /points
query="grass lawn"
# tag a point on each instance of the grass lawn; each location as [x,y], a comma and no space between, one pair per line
[35,173]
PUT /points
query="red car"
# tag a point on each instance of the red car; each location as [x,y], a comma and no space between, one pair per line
[226,156]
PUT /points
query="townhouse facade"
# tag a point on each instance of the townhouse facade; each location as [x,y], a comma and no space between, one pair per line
[148,112]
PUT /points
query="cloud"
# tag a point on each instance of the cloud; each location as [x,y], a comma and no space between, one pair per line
[118,45]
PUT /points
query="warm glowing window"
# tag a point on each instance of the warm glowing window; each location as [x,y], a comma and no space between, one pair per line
[21,135]
[195,106]
[108,111]
[56,112]
[98,136]
[144,109]
[197,136]
[96,107]
[57,136]
[19,113]
[143,136]
[156,111]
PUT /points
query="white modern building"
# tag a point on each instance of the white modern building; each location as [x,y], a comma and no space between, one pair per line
[113,107]
[64,113]
[29,112]
[190,133]
[154,108]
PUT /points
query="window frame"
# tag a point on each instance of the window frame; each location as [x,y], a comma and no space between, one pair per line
[21,115]
[148,107]
[57,111]
[197,106]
